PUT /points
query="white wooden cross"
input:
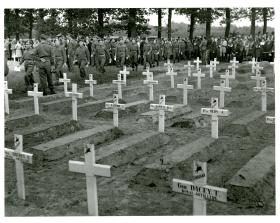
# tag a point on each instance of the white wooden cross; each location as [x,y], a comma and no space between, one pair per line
[161,107]
[253,62]
[91,169]
[150,81]
[215,62]
[185,88]
[91,82]
[270,120]
[189,66]
[197,62]
[168,64]
[263,89]
[199,189]
[211,66]
[257,67]
[214,111]
[171,74]
[222,88]
[119,82]
[124,72]
[20,157]
[65,81]
[233,66]
[35,94]
[115,106]
[74,94]
[227,77]
[199,75]
[6,97]
[147,72]
[258,78]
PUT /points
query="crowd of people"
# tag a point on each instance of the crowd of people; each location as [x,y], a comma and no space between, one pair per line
[53,54]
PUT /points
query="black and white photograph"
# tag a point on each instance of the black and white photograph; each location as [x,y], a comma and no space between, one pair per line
[128,111]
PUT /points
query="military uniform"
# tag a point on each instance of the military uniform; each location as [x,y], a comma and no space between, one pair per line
[175,50]
[45,57]
[102,54]
[134,54]
[113,52]
[71,48]
[28,59]
[121,54]
[182,50]
[155,53]
[147,54]
[167,50]
[60,59]
[82,56]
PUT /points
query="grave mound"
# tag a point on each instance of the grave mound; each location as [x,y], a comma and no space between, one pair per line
[243,70]
[204,101]
[222,70]
[184,124]
[242,87]
[236,130]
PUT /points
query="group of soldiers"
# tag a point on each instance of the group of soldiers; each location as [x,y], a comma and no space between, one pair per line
[53,55]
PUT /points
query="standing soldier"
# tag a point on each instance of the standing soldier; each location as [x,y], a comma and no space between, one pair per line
[82,58]
[71,48]
[167,50]
[182,49]
[60,59]
[28,59]
[175,50]
[102,54]
[93,59]
[147,53]
[134,54]
[45,55]
[128,46]
[121,53]
[113,52]
[155,52]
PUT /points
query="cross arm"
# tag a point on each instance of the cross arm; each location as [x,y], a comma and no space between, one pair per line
[23,156]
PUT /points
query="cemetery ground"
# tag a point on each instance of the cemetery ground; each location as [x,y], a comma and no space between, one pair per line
[143,161]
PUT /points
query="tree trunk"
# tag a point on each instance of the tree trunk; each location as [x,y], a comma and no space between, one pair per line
[30,21]
[131,31]
[208,23]
[169,23]
[228,21]
[17,25]
[192,24]
[7,23]
[253,22]
[159,22]
[264,20]
[100,15]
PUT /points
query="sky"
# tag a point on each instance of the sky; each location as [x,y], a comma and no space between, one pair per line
[183,19]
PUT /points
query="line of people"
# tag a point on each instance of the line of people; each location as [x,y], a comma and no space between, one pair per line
[64,52]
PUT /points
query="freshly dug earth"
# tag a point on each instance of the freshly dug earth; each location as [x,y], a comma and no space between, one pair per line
[134,189]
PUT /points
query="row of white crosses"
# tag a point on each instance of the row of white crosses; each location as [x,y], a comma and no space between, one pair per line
[89,167]
[199,189]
